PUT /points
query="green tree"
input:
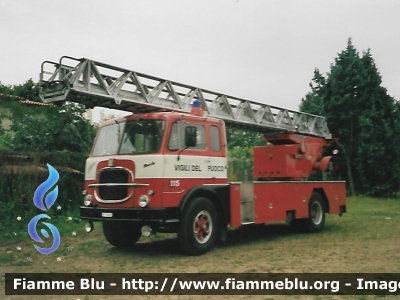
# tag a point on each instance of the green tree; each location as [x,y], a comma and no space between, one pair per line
[43,128]
[243,138]
[28,90]
[313,102]
[51,128]
[5,91]
[240,152]
[362,116]
[377,151]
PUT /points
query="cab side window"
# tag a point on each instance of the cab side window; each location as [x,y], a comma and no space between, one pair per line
[177,137]
[215,140]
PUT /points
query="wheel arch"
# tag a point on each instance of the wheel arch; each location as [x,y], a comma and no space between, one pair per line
[217,194]
[321,192]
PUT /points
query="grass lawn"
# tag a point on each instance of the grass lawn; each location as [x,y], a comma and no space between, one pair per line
[364,240]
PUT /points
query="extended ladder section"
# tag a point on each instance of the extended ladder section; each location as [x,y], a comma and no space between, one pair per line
[97,84]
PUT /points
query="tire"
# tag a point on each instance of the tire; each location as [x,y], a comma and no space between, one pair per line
[121,234]
[198,228]
[316,218]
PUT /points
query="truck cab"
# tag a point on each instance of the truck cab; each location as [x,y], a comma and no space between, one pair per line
[142,167]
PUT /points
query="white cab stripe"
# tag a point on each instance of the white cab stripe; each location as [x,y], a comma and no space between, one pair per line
[167,166]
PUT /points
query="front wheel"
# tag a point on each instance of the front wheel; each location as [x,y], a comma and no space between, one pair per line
[198,227]
[121,234]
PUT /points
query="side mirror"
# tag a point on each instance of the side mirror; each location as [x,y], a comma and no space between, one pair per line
[190,136]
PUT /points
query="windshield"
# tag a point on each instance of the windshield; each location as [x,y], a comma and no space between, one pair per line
[130,137]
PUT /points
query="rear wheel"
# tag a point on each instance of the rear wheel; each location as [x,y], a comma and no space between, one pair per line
[316,216]
[120,233]
[198,227]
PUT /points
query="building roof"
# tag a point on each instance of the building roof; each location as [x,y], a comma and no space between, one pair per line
[33,103]
[26,101]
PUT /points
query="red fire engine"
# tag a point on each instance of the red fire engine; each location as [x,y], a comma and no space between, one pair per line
[164,168]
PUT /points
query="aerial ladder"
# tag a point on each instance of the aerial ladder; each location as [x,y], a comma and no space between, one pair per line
[194,193]
[97,84]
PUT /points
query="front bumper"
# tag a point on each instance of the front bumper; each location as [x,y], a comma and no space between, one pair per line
[159,216]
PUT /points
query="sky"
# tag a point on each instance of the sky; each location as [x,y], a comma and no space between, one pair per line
[260,50]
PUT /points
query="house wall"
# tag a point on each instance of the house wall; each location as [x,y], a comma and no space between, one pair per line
[5,122]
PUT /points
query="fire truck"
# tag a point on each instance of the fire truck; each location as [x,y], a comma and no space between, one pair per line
[163,168]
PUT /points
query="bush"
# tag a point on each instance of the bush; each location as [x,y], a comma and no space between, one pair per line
[20,176]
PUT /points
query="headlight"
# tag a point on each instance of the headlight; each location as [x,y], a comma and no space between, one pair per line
[87,199]
[143,200]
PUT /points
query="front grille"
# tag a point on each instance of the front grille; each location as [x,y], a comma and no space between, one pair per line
[113,192]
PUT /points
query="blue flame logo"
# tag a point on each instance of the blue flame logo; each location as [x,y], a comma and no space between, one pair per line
[49,200]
